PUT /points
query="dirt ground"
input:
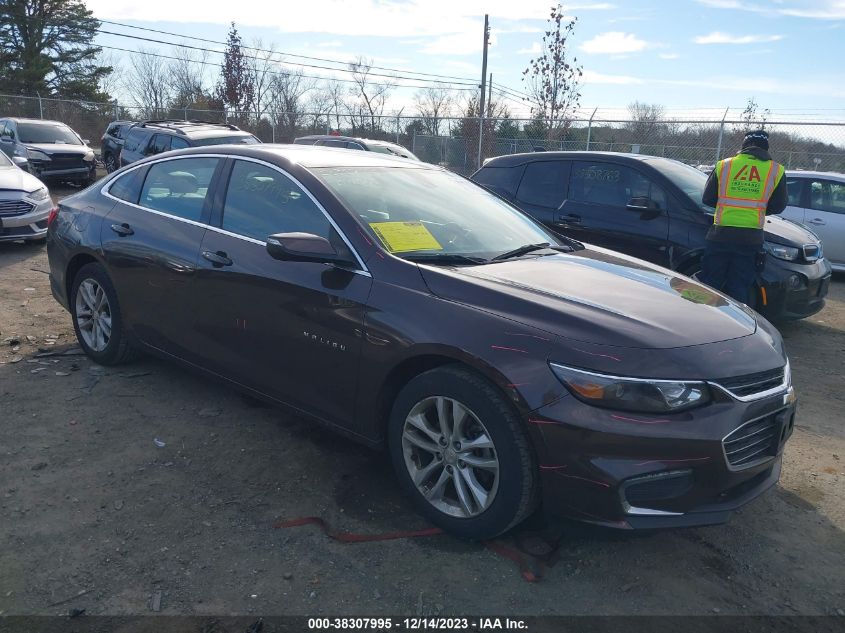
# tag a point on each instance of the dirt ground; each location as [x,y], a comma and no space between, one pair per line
[127,489]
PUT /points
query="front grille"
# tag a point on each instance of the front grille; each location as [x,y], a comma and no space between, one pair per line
[15,207]
[754,441]
[748,385]
[66,161]
[812,252]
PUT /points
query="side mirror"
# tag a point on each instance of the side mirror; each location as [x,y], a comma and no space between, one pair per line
[642,203]
[303,247]
[87,141]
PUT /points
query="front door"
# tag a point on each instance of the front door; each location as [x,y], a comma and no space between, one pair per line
[826,217]
[291,330]
[599,200]
[151,240]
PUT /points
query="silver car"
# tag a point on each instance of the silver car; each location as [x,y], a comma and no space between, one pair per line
[25,204]
[817,200]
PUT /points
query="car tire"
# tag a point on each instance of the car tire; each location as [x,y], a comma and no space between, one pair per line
[110,162]
[97,319]
[483,480]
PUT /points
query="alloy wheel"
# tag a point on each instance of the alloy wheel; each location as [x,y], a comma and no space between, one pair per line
[93,315]
[450,457]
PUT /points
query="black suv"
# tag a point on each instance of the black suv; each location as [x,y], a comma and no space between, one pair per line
[651,208]
[112,142]
[351,142]
[154,137]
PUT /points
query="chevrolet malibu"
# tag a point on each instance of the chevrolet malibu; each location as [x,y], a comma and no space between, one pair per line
[501,366]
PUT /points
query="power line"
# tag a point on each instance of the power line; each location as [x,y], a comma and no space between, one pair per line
[271,72]
[264,50]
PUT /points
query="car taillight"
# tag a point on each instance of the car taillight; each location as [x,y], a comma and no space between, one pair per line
[54,212]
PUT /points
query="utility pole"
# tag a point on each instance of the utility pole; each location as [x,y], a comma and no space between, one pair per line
[483,86]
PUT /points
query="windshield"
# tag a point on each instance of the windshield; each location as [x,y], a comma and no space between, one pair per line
[47,134]
[689,179]
[393,150]
[4,161]
[415,212]
[247,139]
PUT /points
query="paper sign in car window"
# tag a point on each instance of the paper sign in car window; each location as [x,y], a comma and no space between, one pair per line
[401,237]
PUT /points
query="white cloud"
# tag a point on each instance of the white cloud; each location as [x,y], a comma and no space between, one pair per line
[591,77]
[614,43]
[811,9]
[669,55]
[534,50]
[717,37]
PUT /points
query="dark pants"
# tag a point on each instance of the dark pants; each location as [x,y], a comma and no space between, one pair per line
[731,268]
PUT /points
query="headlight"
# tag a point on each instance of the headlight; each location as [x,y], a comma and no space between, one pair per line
[632,394]
[88,157]
[780,251]
[39,194]
[34,154]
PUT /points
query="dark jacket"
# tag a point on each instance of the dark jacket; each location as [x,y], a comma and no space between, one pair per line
[736,234]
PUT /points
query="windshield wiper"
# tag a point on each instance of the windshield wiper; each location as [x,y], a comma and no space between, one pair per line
[445,258]
[530,248]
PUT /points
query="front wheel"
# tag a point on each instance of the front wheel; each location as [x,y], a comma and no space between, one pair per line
[461,453]
[96,315]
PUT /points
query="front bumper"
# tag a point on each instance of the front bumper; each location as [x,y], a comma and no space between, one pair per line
[634,471]
[43,170]
[31,225]
[792,290]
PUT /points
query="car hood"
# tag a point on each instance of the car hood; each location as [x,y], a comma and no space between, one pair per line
[15,179]
[59,148]
[789,233]
[597,296]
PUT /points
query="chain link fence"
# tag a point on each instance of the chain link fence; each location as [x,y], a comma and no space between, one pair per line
[461,144]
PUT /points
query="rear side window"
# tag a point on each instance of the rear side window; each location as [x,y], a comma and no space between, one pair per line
[179,187]
[134,140]
[500,179]
[827,196]
[544,184]
[261,201]
[161,143]
[178,143]
[600,183]
[128,186]
[333,143]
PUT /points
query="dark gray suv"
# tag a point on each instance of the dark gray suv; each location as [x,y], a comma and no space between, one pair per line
[154,137]
[52,150]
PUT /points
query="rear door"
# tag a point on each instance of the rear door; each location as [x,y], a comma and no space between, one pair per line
[542,191]
[151,241]
[291,330]
[599,210]
[797,200]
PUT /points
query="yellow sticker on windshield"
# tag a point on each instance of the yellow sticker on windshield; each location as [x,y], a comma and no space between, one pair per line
[401,237]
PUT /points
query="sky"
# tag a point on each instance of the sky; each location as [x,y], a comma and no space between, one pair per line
[690,56]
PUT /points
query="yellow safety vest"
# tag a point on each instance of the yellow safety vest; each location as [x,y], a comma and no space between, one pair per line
[745,186]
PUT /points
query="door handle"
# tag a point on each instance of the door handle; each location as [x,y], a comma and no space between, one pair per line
[817,221]
[218,258]
[122,229]
[572,218]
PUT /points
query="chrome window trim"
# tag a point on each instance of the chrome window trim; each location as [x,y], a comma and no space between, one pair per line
[757,462]
[106,191]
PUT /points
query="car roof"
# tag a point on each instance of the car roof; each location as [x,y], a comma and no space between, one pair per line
[511,160]
[192,129]
[35,121]
[310,156]
[815,174]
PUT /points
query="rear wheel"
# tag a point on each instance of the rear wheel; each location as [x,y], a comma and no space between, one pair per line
[110,162]
[96,315]
[461,453]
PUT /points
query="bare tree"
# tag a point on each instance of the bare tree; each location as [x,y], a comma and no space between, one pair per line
[433,104]
[287,102]
[645,119]
[753,117]
[320,105]
[552,80]
[188,78]
[336,96]
[372,94]
[110,84]
[147,82]
[263,66]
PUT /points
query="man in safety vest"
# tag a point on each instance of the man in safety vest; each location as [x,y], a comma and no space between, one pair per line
[744,189]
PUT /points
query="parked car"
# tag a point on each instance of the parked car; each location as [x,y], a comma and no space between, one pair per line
[817,200]
[350,142]
[52,150]
[25,204]
[112,142]
[404,306]
[154,137]
[651,208]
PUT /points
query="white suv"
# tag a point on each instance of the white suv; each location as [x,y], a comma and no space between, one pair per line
[817,200]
